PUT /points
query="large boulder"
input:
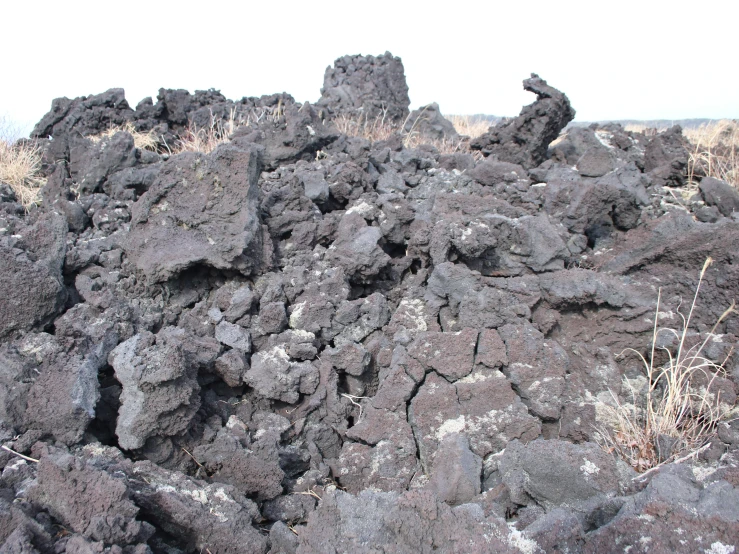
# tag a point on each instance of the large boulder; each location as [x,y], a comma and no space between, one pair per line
[556,473]
[200,210]
[88,501]
[525,139]
[31,260]
[374,86]
[428,123]
[160,390]
[666,157]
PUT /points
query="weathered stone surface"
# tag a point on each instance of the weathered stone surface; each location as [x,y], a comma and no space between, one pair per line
[160,390]
[666,157]
[374,86]
[482,406]
[583,471]
[200,210]
[384,458]
[676,514]
[525,139]
[537,369]
[450,354]
[428,123]
[251,467]
[456,471]
[412,522]
[31,272]
[274,375]
[720,194]
[88,500]
[214,516]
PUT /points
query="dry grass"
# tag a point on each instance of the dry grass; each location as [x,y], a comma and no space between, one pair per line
[207,139]
[374,129]
[677,410]
[714,151]
[20,167]
[469,126]
[379,128]
[220,131]
[144,141]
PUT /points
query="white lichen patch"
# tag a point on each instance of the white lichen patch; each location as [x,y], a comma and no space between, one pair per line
[720,548]
[589,468]
[701,473]
[362,209]
[476,377]
[450,426]
[296,315]
[519,541]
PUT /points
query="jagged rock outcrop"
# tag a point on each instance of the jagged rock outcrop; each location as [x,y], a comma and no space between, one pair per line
[373,86]
[524,140]
[303,341]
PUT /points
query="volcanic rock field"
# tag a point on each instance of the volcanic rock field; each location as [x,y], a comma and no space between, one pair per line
[308,342]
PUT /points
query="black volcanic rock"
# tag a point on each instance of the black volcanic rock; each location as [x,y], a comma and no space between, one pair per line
[524,140]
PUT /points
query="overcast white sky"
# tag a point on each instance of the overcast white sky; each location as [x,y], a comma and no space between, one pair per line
[647,59]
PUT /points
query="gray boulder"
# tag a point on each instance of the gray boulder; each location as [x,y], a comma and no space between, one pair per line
[721,195]
[666,157]
[374,86]
[87,500]
[556,473]
[274,375]
[456,471]
[428,123]
[31,262]
[160,390]
[200,210]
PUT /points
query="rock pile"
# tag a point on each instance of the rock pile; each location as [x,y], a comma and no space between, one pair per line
[307,342]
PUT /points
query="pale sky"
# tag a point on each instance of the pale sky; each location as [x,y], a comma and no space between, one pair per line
[647,59]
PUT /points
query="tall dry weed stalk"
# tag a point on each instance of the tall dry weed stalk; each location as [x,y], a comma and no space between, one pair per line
[714,151]
[678,413]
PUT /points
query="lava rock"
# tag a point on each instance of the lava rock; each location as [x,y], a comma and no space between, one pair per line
[525,139]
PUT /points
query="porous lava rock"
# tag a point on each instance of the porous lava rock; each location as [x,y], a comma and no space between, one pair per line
[200,210]
[374,86]
[525,139]
[305,341]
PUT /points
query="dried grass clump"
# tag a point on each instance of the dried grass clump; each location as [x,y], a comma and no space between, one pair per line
[714,151]
[20,168]
[379,128]
[372,129]
[469,126]
[207,139]
[676,413]
[142,140]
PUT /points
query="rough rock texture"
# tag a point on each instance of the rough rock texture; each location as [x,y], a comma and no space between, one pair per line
[428,122]
[372,85]
[525,139]
[305,341]
[160,393]
[31,271]
[200,210]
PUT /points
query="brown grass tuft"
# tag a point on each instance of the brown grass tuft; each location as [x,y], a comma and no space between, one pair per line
[378,128]
[715,151]
[469,126]
[142,140]
[20,167]
[676,411]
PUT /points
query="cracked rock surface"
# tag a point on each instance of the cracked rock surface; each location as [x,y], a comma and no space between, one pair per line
[308,342]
